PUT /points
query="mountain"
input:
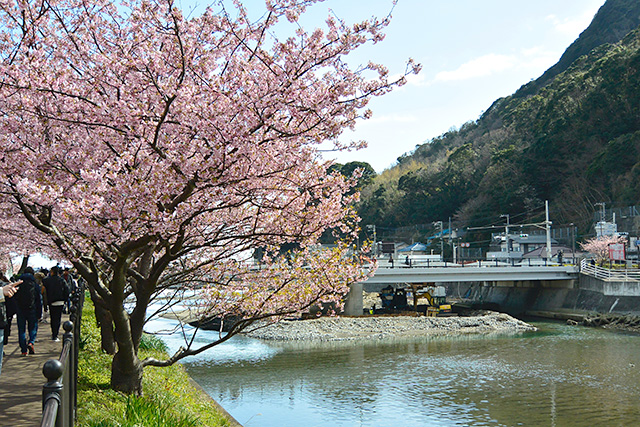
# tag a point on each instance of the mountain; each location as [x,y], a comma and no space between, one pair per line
[614,20]
[571,137]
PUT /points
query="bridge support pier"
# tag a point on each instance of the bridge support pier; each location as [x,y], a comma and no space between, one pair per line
[354,304]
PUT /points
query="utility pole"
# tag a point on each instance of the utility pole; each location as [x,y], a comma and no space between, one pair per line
[375,239]
[454,235]
[451,241]
[602,211]
[441,225]
[573,242]
[548,227]
[506,229]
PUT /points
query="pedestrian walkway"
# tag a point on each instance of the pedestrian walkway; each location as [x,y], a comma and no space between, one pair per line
[21,379]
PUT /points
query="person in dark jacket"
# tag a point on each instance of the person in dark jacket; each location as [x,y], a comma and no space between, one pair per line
[57,296]
[29,302]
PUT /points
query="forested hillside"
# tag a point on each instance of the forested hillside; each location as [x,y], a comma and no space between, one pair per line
[573,140]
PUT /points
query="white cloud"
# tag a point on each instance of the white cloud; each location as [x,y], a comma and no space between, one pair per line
[479,67]
[533,51]
[573,26]
[417,79]
[538,58]
[412,79]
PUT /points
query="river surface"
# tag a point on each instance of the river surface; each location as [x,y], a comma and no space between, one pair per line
[558,376]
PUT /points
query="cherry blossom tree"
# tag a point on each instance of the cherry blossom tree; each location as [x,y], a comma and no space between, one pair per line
[18,240]
[599,246]
[155,150]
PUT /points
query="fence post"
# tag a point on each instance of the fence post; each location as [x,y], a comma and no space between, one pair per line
[72,369]
[76,317]
[59,394]
[52,390]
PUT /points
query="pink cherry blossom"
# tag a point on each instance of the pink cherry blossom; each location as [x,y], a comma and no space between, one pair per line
[599,246]
[151,149]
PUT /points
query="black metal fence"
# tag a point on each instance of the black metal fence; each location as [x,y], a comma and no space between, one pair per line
[513,262]
[59,394]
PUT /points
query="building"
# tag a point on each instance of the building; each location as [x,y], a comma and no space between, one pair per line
[604,228]
[514,246]
[568,255]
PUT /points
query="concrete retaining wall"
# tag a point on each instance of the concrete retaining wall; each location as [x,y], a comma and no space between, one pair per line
[610,288]
[584,295]
[587,295]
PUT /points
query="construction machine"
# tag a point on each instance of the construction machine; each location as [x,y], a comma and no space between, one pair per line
[436,297]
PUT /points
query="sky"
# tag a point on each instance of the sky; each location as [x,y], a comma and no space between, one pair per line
[472,53]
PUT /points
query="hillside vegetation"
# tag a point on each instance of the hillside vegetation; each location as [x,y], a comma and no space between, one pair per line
[574,142]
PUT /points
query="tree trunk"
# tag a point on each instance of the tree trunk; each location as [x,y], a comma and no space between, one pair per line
[105,322]
[24,264]
[107,334]
[126,368]
[126,375]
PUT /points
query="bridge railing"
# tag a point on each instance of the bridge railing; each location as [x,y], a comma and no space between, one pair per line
[620,275]
[59,394]
[529,262]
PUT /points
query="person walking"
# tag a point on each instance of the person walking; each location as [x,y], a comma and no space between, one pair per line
[57,296]
[8,290]
[72,285]
[29,302]
[40,275]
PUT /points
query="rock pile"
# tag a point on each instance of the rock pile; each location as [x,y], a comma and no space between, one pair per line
[380,327]
[626,322]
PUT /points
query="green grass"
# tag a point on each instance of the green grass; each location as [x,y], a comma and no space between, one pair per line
[169,400]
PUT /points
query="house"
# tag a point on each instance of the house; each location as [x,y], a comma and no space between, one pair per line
[514,246]
[414,249]
[568,255]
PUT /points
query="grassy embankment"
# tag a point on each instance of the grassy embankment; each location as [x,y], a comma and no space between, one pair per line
[169,397]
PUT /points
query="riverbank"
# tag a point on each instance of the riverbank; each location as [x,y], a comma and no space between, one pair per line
[171,398]
[382,327]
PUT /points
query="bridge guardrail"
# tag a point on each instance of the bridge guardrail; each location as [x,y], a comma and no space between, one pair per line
[602,273]
[529,262]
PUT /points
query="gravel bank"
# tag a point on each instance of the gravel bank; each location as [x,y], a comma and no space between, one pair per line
[380,327]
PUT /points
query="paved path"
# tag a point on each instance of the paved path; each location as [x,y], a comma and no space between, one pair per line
[21,379]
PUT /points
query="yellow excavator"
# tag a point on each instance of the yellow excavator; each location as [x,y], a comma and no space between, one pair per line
[436,296]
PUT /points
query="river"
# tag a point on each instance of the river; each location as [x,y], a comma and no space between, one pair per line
[558,376]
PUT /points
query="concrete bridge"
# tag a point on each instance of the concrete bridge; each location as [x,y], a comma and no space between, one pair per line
[524,276]
[473,274]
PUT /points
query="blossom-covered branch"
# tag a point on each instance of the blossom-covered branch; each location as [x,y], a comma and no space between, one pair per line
[140,142]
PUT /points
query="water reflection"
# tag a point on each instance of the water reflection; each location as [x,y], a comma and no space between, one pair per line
[559,376]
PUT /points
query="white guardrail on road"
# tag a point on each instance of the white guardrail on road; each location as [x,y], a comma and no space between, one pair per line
[619,275]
